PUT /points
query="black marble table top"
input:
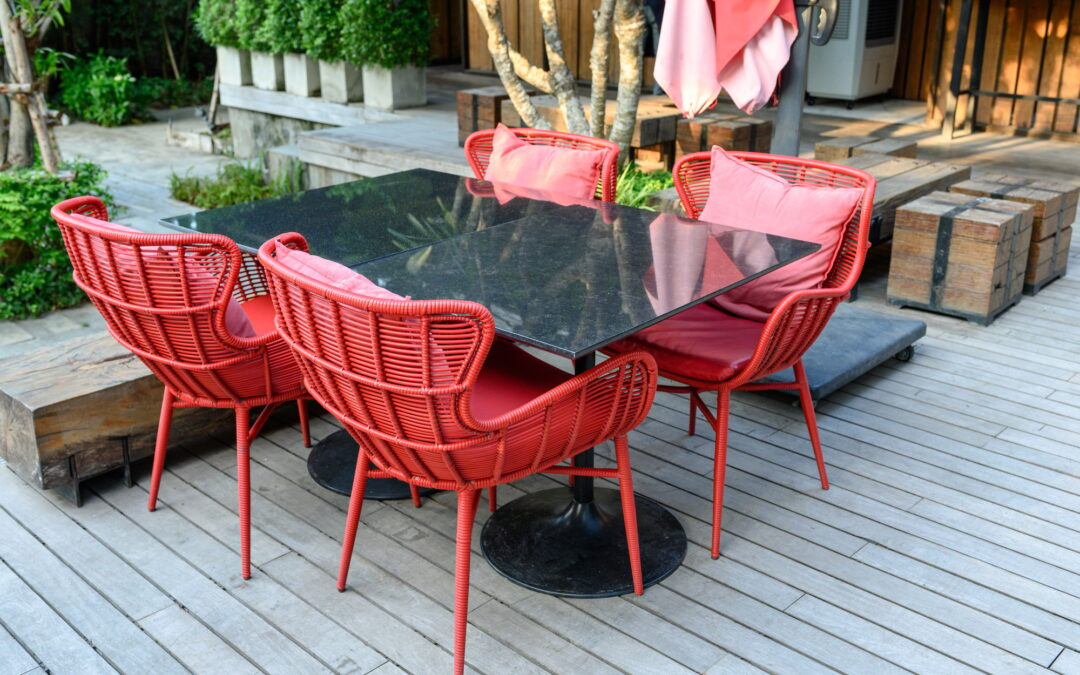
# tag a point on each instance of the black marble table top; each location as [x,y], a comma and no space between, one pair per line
[567,277]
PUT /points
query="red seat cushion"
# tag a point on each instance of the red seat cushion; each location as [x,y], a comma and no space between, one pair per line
[511,377]
[702,343]
[260,312]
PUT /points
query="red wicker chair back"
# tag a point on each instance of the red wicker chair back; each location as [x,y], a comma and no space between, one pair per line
[399,376]
[478,152]
[164,296]
[799,319]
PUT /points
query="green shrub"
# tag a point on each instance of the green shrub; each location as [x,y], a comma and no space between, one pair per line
[35,273]
[234,184]
[280,29]
[248,16]
[320,29]
[386,33]
[636,185]
[214,21]
[160,92]
[99,90]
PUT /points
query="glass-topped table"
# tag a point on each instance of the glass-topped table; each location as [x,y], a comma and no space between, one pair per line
[566,278]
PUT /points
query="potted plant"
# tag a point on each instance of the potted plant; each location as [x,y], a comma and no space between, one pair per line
[214,22]
[280,31]
[267,68]
[320,32]
[390,38]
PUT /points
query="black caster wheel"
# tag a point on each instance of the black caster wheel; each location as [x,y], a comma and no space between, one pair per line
[811,100]
[905,354]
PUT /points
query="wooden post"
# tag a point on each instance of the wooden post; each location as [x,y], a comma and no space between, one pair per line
[18,58]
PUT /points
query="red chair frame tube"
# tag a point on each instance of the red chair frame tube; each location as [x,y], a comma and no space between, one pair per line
[399,375]
[478,147]
[164,297]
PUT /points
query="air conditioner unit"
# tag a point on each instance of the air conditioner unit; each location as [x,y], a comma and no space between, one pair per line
[860,59]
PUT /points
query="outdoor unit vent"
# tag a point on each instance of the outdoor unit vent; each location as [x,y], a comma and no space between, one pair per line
[860,59]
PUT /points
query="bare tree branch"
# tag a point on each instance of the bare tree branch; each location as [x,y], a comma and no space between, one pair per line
[491,16]
[630,31]
[536,77]
[564,86]
[598,63]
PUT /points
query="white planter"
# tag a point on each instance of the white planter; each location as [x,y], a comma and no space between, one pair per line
[342,82]
[301,75]
[395,89]
[234,66]
[267,71]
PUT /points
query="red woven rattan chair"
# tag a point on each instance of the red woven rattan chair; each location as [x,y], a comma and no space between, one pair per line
[432,399]
[749,352]
[164,297]
[478,152]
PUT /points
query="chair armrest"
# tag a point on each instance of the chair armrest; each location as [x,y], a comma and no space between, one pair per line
[791,329]
[620,391]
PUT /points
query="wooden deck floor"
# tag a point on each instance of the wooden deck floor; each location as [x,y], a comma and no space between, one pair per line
[949,542]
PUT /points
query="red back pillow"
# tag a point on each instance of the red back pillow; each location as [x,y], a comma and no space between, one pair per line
[745,196]
[573,173]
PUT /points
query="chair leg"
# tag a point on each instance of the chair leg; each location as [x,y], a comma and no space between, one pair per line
[467,501]
[629,509]
[305,426]
[160,447]
[811,420]
[352,521]
[492,499]
[414,492]
[723,405]
[691,428]
[243,486]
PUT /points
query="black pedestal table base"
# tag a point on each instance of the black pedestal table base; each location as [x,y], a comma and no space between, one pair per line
[548,542]
[332,464]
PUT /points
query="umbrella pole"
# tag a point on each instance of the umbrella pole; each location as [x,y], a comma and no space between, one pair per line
[785,139]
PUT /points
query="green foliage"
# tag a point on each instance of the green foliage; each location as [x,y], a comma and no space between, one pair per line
[214,21]
[234,184]
[280,27]
[161,92]
[320,29]
[35,274]
[386,33]
[100,90]
[49,62]
[636,185]
[36,14]
[248,16]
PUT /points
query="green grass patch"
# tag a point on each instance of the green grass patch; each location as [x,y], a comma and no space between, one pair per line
[234,184]
[636,185]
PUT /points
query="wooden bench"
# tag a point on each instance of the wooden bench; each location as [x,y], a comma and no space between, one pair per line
[899,181]
[835,149]
[84,407]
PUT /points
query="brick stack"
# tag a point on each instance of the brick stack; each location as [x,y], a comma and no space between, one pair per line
[1054,206]
[479,109]
[960,255]
[730,132]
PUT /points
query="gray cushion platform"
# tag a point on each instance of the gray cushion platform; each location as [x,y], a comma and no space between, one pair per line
[854,342]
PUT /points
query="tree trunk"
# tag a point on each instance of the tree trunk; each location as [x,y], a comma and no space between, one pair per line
[630,31]
[598,64]
[20,149]
[21,66]
[491,16]
[5,115]
[564,86]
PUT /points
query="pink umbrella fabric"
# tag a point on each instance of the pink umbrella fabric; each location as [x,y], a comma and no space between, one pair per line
[739,46]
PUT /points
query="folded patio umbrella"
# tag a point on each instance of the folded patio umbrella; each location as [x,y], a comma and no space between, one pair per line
[735,45]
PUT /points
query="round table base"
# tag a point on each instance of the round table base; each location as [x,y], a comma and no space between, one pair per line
[332,464]
[547,542]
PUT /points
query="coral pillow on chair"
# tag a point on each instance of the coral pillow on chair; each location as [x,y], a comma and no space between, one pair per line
[562,170]
[742,195]
[332,273]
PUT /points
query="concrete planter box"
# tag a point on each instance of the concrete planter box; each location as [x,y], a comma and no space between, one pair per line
[395,89]
[301,75]
[268,71]
[234,65]
[342,82]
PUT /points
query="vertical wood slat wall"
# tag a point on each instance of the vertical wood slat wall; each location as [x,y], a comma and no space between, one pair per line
[522,21]
[1032,47]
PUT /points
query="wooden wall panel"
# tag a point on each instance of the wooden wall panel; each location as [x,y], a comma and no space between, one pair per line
[1032,47]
